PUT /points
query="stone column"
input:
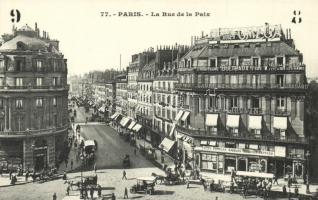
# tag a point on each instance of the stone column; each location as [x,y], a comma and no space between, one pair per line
[28,159]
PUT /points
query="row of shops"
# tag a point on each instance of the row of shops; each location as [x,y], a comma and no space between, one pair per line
[126,125]
[223,157]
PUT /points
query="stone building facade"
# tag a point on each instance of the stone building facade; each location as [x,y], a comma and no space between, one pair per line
[33,99]
[242,103]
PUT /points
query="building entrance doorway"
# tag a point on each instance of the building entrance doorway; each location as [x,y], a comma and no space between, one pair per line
[39,162]
[242,165]
[280,168]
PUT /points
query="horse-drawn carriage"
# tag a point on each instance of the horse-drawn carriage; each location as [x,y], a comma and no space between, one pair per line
[89,149]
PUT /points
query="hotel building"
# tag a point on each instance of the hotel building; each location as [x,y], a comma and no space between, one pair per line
[241,95]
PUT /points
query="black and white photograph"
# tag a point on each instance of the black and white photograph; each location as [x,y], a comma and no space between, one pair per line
[158,99]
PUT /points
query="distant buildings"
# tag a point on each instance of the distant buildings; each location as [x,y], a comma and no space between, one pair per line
[33,100]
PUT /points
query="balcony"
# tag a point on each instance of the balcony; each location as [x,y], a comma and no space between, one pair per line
[33,87]
[242,136]
[248,68]
[221,86]
[163,90]
[33,133]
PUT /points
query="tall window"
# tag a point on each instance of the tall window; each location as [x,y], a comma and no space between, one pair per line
[255,80]
[212,102]
[1,64]
[1,103]
[255,102]
[54,81]
[39,65]
[18,103]
[54,101]
[54,65]
[19,65]
[280,80]
[280,61]
[234,102]
[39,102]
[281,103]
[18,81]
[233,61]
[255,62]
[212,63]
[39,81]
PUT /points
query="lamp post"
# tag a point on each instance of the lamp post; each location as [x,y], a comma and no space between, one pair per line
[307,175]
[83,158]
[192,146]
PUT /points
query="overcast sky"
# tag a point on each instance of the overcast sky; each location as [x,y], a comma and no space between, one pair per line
[90,41]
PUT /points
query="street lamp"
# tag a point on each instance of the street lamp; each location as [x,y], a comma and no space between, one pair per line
[307,175]
[83,158]
[192,146]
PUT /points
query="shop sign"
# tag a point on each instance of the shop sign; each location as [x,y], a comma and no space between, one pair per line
[255,32]
[235,151]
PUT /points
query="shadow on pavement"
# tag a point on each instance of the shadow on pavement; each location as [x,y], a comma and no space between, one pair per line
[135,197]
[163,192]
[108,188]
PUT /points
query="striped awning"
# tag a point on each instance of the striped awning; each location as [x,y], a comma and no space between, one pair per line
[132,124]
[211,119]
[137,127]
[233,121]
[124,121]
[114,115]
[185,115]
[254,122]
[179,115]
[280,123]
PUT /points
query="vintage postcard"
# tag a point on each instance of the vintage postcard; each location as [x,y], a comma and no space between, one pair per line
[167,99]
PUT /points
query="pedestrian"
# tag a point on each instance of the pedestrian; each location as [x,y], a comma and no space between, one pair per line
[10,174]
[26,176]
[91,192]
[126,193]
[71,164]
[54,196]
[67,190]
[66,161]
[113,196]
[124,175]
[188,184]
[95,169]
[289,181]
[275,179]
[99,191]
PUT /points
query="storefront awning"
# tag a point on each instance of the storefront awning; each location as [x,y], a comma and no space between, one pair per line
[137,127]
[254,174]
[254,122]
[124,121]
[172,130]
[118,118]
[179,115]
[233,121]
[167,144]
[114,115]
[185,115]
[280,123]
[211,119]
[131,125]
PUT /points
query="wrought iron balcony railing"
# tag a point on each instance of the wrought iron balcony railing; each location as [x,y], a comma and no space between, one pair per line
[206,86]
[241,136]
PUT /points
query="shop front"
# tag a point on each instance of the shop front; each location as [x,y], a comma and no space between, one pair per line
[223,160]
